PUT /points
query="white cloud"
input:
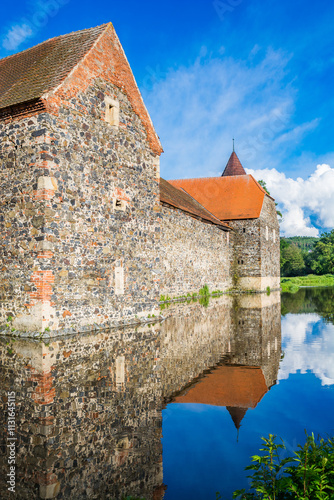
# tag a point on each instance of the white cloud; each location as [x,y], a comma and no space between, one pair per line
[315,355]
[199,108]
[16,35]
[297,198]
[37,16]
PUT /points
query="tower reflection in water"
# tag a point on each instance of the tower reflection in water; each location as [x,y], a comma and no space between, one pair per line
[89,408]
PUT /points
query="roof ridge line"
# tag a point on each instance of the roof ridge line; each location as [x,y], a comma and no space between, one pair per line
[52,38]
[259,185]
[55,89]
[221,222]
[202,178]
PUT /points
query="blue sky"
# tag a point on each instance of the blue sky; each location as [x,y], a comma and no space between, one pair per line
[210,70]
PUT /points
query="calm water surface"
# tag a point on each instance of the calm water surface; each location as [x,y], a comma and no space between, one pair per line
[173,410]
[205,450]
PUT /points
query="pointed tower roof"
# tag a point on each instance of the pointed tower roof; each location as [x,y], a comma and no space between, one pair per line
[237,414]
[233,166]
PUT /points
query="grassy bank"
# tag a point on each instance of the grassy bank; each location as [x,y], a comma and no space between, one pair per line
[292,285]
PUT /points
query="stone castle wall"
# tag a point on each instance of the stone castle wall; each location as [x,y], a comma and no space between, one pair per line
[193,254]
[255,255]
[80,219]
[84,238]
[245,255]
[270,245]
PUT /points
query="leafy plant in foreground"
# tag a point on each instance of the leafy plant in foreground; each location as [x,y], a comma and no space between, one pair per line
[308,475]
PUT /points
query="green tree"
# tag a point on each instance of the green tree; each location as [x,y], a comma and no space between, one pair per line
[321,259]
[292,261]
[283,245]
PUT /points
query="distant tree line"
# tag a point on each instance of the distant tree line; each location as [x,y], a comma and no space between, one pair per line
[303,242]
[315,257]
[316,300]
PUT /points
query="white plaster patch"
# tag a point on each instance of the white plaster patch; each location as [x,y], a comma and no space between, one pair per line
[41,316]
[120,371]
[44,246]
[156,165]
[112,112]
[260,284]
[119,279]
[47,183]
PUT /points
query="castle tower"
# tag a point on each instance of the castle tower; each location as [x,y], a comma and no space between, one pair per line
[238,199]
[233,166]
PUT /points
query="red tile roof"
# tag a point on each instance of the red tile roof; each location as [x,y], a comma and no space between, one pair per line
[232,386]
[233,166]
[60,68]
[228,198]
[179,199]
[30,74]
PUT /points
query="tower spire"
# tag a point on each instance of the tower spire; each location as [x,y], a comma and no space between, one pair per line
[233,144]
[233,166]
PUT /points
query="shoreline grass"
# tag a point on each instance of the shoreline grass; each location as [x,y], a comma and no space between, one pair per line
[292,285]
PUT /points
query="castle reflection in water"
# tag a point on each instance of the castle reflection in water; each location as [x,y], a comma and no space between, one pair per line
[89,408]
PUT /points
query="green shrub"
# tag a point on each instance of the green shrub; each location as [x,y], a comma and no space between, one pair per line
[164,298]
[204,291]
[308,475]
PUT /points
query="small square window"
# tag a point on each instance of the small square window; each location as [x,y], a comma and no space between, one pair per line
[119,204]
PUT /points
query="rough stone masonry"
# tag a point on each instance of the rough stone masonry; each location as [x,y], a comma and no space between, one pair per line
[80,218]
[85,241]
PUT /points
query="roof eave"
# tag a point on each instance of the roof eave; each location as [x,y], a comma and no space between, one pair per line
[224,226]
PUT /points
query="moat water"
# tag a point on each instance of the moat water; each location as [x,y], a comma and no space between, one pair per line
[172,410]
